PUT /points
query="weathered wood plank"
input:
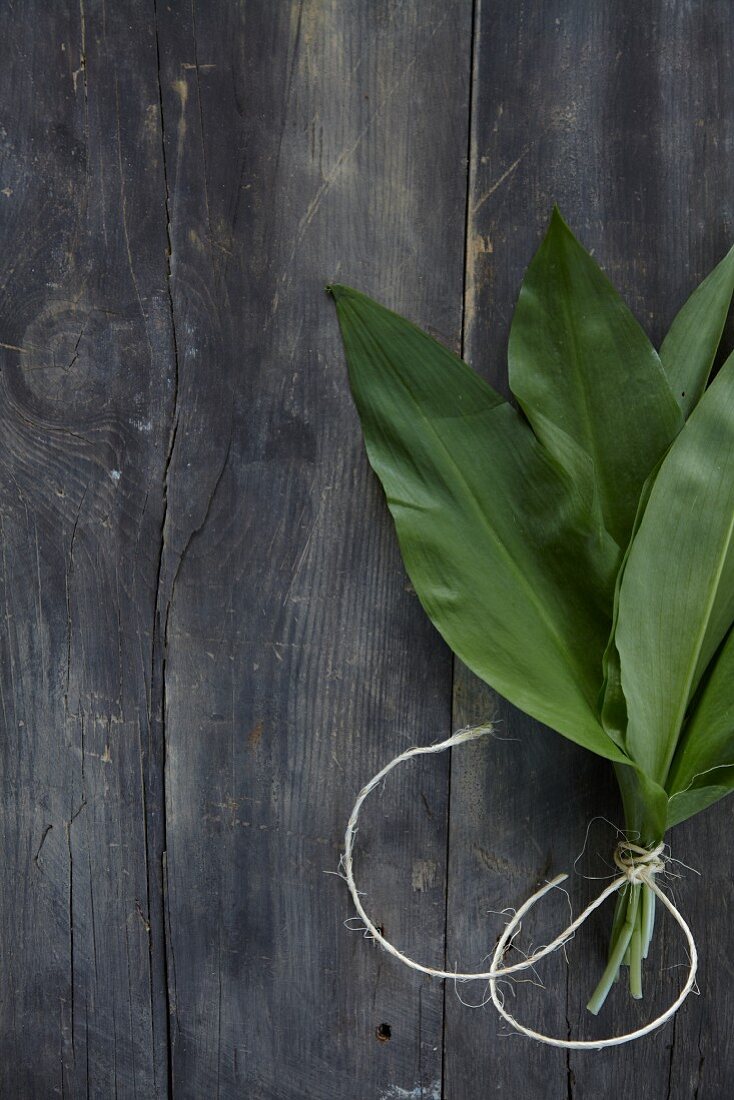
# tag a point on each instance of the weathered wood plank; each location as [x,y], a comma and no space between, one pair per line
[626,123]
[297,658]
[86,372]
[193,548]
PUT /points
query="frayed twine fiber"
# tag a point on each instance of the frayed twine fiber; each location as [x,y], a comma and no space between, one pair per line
[635,863]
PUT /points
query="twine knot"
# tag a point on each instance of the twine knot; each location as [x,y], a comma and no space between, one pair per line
[639,864]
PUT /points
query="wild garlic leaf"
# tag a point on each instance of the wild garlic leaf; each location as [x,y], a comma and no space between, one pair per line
[580,362]
[497,540]
[676,598]
[613,705]
[684,804]
[703,766]
[689,349]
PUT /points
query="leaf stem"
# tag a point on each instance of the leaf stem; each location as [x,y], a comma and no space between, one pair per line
[619,947]
[619,911]
[648,919]
[635,948]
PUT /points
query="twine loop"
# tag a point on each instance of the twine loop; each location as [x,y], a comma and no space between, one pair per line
[635,863]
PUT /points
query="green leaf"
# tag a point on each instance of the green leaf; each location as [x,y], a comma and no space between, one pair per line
[676,599]
[498,541]
[579,362]
[685,804]
[688,351]
[613,705]
[703,766]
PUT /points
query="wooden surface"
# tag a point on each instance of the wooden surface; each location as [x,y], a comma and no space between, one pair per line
[208,641]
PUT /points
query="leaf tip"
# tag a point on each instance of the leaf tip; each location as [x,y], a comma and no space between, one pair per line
[337,291]
[557,220]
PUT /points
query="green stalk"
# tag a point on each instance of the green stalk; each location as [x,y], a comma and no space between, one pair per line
[620,910]
[634,914]
[648,919]
[619,947]
[635,949]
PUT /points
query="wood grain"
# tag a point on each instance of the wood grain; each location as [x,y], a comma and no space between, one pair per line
[297,658]
[208,642]
[86,376]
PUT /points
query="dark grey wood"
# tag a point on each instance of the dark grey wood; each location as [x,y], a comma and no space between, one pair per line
[297,657]
[87,370]
[625,120]
[208,641]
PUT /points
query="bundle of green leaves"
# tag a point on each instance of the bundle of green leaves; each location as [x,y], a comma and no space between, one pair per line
[577,551]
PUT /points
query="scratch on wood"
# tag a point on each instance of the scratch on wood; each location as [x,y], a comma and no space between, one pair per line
[424,874]
[419,1092]
[36,858]
[125,231]
[204,168]
[68,573]
[143,919]
[181,88]
[82,69]
[498,182]
[255,735]
[344,157]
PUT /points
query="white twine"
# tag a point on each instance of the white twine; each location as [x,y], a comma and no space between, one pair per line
[637,865]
